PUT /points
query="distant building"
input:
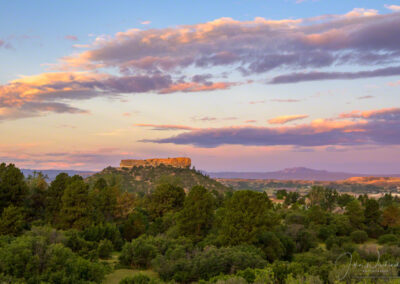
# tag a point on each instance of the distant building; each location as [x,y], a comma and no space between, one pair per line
[179,162]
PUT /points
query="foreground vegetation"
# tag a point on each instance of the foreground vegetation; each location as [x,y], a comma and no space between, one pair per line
[71,231]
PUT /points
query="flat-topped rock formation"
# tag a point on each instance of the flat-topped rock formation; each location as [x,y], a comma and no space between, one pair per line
[181,162]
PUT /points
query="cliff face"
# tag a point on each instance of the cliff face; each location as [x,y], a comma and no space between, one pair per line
[181,162]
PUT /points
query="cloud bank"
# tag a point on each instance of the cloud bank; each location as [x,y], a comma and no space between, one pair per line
[154,60]
[375,127]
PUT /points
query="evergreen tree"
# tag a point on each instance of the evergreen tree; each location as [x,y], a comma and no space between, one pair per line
[12,221]
[391,217]
[197,214]
[75,209]
[355,213]
[54,196]
[37,195]
[166,198]
[13,189]
[247,213]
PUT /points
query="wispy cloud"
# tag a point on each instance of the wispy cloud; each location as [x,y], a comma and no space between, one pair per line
[257,102]
[318,76]
[6,45]
[395,8]
[286,118]
[286,100]
[165,126]
[365,97]
[71,37]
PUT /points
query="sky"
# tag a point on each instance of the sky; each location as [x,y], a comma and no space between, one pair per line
[234,85]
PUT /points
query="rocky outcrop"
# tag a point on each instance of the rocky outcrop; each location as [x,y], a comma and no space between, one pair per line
[181,162]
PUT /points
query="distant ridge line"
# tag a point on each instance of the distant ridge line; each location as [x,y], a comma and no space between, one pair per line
[296,173]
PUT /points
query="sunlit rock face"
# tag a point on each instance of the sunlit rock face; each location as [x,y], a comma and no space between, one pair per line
[180,162]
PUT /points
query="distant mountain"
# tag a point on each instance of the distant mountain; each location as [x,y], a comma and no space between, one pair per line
[297,173]
[51,174]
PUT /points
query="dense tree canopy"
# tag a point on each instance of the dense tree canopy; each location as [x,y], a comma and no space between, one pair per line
[74,231]
[246,214]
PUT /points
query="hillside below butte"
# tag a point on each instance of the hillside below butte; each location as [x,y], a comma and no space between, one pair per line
[144,179]
[179,162]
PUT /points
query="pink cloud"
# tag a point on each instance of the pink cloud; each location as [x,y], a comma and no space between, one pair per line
[189,87]
[71,37]
[286,118]
[257,102]
[395,8]
[48,92]
[165,126]
[381,113]
[297,44]
[394,84]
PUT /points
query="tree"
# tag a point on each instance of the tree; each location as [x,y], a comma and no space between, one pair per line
[138,253]
[166,198]
[391,217]
[75,205]
[343,199]
[135,225]
[105,249]
[373,218]
[197,214]
[372,213]
[281,194]
[13,189]
[292,197]
[324,197]
[271,246]
[359,236]
[138,278]
[12,221]
[317,215]
[34,259]
[355,213]
[54,195]
[247,214]
[316,195]
[125,205]
[101,183]
[37,194]
[104,201]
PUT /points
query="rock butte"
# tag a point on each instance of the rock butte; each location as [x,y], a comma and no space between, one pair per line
[181,162]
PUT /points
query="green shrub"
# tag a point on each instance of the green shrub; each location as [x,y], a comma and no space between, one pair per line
[105,249]
[138,253]
[35,260]
[136,279]
[208,263]
[359,236]
[248,274]
[388,239]
[100,232]
[79,245]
